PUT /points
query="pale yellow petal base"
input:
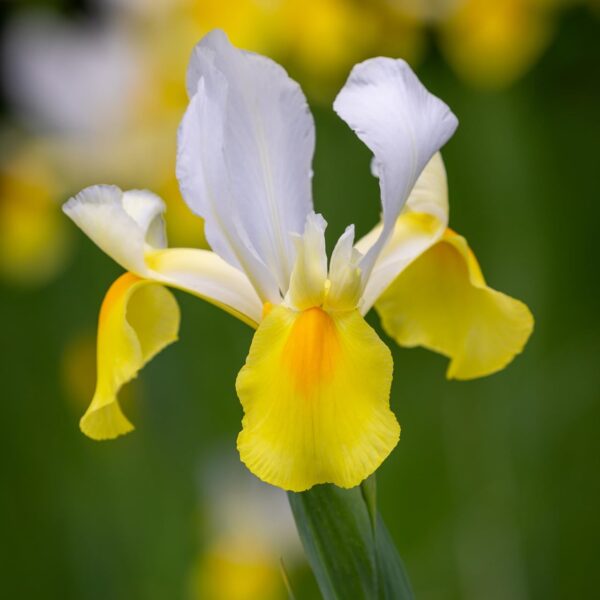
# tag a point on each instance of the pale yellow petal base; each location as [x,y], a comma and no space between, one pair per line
[441,302]
[315,392]
[138,319]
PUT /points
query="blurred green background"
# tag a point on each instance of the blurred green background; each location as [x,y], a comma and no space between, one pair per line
[493,490]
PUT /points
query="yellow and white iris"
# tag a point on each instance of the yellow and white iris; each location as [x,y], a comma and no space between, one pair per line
[315,387]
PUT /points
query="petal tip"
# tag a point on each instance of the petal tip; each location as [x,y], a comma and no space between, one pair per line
[93,194]
[461,372]
[105,423]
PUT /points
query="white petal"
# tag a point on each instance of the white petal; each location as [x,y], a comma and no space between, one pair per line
[345,285]
[307,284]
[129,227]
[122,224]
[420,225]
[402,124]
[204,184]
[244,160]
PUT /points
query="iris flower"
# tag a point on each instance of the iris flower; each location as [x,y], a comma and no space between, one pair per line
[315,387]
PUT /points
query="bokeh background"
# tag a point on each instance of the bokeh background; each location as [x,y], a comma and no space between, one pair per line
[493,490]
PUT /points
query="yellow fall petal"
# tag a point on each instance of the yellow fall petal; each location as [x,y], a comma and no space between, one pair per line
[315,392]
[137,320]
[441,302]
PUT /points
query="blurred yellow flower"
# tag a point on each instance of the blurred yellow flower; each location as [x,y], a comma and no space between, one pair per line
[493,43]
[78,369]
[318,40]
[248,531]
[427,11]
[325,38]
[489,44]
[34,242]
[226,574]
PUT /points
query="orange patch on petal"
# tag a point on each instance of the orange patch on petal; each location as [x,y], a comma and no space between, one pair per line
[311,351]
[115,295]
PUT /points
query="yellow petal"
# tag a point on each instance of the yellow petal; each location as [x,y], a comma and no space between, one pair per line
[442,302]
[307,281]
[137,320]
[315,392]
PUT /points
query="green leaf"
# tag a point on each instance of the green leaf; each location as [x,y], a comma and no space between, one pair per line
[369,491]
[347,544]
[392,577]
[286,580]
[336,532]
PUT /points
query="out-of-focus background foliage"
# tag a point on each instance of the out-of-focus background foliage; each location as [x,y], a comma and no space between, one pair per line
[493,490]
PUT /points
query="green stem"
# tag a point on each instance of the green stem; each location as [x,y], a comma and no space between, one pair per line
[347,544]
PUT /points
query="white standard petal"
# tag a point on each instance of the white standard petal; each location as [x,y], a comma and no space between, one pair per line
[244,159]
[402,124]
[421,223]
